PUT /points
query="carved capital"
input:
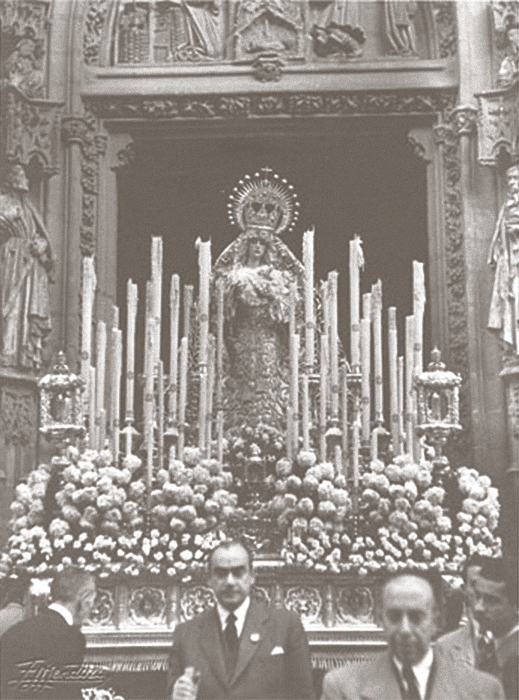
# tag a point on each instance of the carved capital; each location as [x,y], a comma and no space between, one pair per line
[466,119]
[74,129]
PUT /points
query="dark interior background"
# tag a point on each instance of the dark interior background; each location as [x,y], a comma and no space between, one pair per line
[350,180]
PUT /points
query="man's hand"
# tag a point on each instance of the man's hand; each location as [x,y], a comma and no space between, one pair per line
[186,686]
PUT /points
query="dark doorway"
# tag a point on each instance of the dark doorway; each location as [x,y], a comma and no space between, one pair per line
[361,178]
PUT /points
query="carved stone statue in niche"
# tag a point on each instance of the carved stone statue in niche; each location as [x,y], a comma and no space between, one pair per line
[256,272]
[25,66]
[504,257]
[187,30]
[399,26]
[268,26]
[133,34]
[506,23]
[338,31]
[25,266]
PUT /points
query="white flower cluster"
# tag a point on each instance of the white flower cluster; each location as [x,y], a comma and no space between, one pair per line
[479,515]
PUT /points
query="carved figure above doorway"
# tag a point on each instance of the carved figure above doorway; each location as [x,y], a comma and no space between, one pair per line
[338,31]
[267,26]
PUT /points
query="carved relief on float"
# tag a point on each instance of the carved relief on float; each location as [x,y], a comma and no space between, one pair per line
[355,606]
[103,612]
[147,606]
[306,602]
[196,600]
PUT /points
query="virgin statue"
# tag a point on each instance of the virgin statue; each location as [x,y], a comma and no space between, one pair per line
[261,281]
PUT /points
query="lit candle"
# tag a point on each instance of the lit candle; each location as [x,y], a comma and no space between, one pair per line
[392,333]
[308,262]
[356,264]
[182,395]
[156,278]
[376,294]
[204,265]
[160,413]
[356,450]
[334,345]
[87,308]
[174,314]
[418,313]
[149,385]
[323,396]
[292,309]
[409,377]
[149,345]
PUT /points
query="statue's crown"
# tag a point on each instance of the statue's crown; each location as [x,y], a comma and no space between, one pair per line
[264,201]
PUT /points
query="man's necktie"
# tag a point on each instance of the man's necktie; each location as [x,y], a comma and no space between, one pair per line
[487,660]
[412,692]
[231,643]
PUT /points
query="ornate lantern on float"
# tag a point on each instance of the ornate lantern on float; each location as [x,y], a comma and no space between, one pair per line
[438,407]
[61,406]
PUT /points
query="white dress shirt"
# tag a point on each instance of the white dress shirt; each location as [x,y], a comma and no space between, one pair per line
[63,611]
[421,671]
[240,613]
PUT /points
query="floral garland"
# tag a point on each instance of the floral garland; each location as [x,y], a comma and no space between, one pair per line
[99,516]
[401,518]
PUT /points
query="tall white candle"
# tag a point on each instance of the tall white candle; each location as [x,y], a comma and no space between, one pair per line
[365,350]
[355,452]
[344,418]
[156,278]
[419,300]
[174,314]
[308,262]
[149,380]
[92,427]
[100,374]
[409,378]
[305,411]
[87,308]
[188,305]
[182,395]
[376,300]
[356,264]
[392,333]
[219,368]
[294,389]
[334,344]
[160,412]
[204,265]
[116,384]
[323,399]
[131,301]
[401,397]
[210,393]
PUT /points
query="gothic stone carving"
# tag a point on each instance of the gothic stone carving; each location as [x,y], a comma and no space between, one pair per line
[446,134]
[195,600]
[103,611]
[446,28]
[268,26]
[84,131]
[147,606]
[30,128]
[306,602]
[95,17]
[24,45]
[498,125]
[355,605]
[19,415]
[506,25]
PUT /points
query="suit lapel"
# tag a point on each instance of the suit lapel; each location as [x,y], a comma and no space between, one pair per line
[211,644]
[257,615]
[381,682]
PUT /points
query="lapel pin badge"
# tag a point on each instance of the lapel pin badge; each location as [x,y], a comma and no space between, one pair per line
[254,637]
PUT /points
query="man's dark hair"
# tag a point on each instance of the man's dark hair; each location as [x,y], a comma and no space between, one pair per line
[67,584]
[228,544]
[501,570]
[13,590]
[432,577]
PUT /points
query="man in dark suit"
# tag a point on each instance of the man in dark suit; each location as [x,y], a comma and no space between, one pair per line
[37,655]
[410,669]
[241,649]
[496,610]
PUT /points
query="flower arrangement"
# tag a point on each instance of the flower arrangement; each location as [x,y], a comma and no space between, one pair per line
[401,518]
[98,519]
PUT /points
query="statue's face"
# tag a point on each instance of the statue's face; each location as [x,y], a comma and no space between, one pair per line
[18,179]
[257,249]
[512,176]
